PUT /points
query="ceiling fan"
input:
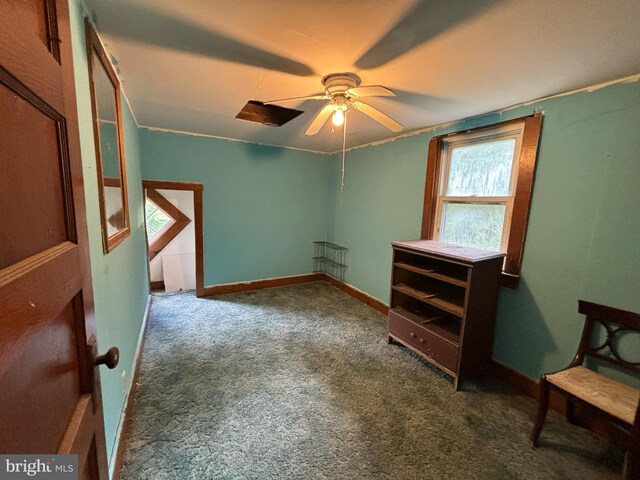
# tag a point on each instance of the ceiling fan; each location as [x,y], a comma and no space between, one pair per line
[344,91]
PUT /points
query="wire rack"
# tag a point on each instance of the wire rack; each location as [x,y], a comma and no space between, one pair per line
[330,258]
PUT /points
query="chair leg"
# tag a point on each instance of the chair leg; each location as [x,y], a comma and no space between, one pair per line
[543,403]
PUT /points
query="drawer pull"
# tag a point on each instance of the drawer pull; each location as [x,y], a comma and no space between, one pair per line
[412,335]
[422,340]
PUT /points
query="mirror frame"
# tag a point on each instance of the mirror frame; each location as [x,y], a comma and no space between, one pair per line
[94,45]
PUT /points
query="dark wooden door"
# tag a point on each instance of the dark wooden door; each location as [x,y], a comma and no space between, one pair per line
[49,388]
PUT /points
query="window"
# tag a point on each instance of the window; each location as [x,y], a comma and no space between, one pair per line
[478,189]
[156,219]
[164,221]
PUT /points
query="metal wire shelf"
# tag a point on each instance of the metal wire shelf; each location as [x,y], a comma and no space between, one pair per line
[330,258]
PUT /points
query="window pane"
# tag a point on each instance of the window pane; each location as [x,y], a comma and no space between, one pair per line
[149,208]
[158,219]
[473,225]
[155,218]
[482,169]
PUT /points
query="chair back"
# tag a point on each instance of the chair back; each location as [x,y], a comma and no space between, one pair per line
[616,323]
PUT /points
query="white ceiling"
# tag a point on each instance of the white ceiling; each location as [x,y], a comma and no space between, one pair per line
[191,65]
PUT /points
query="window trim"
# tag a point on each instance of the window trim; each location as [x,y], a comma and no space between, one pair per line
[164,236]
[523,189]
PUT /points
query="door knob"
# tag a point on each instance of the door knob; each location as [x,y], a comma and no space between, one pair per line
[109,359]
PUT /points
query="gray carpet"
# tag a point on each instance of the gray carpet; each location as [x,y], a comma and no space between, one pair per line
[299,383]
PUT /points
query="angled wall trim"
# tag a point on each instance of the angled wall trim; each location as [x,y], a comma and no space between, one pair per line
[178,224]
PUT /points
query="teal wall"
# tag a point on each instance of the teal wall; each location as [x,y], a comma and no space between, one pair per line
[120,282]
[262,206]
[583,239]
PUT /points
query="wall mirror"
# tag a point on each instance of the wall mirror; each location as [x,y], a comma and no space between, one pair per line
[107,129]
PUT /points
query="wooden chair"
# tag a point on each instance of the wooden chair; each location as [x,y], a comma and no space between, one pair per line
[620,402]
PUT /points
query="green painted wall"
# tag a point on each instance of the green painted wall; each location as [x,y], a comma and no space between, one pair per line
[262,206]
[583,239]
[120,280]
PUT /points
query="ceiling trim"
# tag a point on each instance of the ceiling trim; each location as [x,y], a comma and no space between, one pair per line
[230,139]
[126,99]
[591,88]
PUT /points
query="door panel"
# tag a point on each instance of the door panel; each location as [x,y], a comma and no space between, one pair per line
[33,207]
[26,57]
[49,388]
[48,379]
[36,15]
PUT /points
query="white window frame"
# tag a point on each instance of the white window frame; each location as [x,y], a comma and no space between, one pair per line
[512,131]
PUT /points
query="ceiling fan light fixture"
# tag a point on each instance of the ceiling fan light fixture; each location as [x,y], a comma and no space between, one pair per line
[344,92]
[338,115]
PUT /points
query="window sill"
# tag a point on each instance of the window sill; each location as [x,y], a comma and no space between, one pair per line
[509,280]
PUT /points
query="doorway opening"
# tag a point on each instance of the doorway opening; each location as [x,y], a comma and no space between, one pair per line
[173,220]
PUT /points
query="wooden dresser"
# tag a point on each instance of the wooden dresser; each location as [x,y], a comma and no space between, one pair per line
[443,304]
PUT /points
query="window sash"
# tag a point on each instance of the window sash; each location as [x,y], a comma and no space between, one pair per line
[513,131]
[508,211]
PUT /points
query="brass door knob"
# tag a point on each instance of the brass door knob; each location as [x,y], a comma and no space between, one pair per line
[109,359]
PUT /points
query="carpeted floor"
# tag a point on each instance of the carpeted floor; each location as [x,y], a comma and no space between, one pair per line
[299,383]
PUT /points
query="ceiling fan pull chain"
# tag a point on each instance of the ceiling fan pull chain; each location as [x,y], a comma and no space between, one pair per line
[344,146]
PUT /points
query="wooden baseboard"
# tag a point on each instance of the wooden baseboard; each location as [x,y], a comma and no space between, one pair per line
[213,290]
[227,288]
[585,415]
[357,294]
[122,441]
[157,285]
[526,385]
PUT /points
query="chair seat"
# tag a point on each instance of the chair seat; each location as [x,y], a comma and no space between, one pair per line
[613,397]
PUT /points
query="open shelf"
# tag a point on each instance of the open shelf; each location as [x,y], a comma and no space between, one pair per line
[432,273]
[330,262]
[330,245]
[432,298]
[441,325]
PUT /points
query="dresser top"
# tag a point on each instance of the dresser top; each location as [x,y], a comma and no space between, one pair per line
[467,254]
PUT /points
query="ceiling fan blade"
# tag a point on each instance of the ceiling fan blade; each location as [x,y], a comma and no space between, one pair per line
[370,91]
[378,116]
[316,96]
[320,120]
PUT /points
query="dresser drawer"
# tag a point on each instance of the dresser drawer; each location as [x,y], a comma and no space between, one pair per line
[425,340]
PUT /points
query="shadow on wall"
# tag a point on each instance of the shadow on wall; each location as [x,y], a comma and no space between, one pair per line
[525,338]
[258,153]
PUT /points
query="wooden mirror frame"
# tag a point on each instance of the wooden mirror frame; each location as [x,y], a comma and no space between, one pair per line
[94,45]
